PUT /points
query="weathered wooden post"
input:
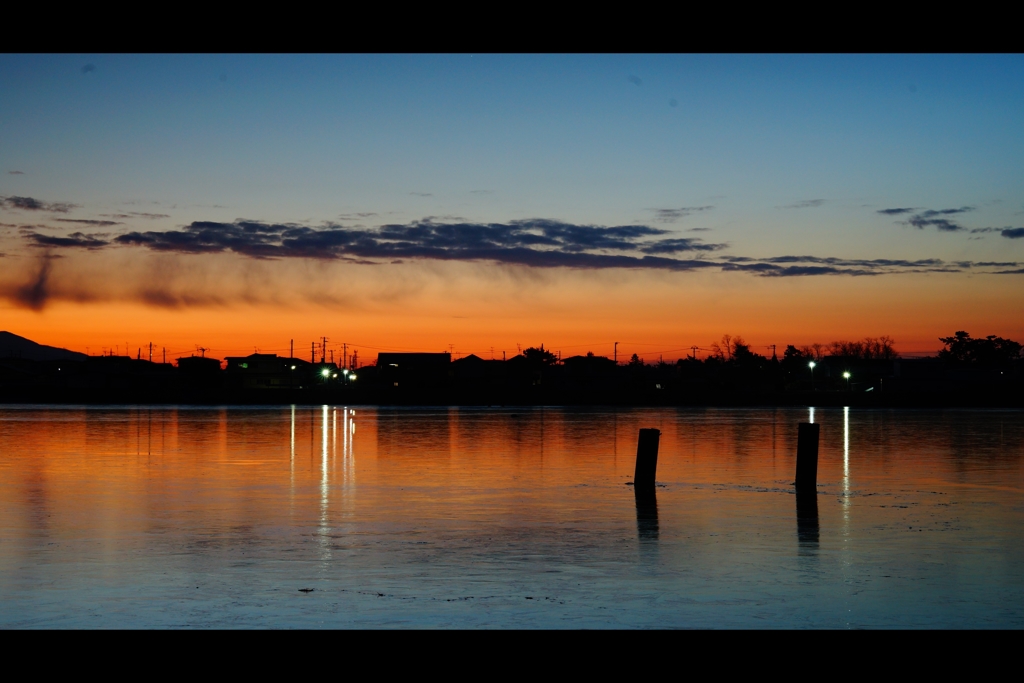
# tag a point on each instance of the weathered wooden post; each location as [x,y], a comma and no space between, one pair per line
[646,458]
[807,457]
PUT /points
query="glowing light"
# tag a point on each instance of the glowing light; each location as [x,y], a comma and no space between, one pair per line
[846,375]
[334,375]
[293,367]
[345,371]
[811,365]
[325,372]
[352,377]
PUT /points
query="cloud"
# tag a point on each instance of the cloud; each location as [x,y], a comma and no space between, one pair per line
[16,172]
[34,293]
[635,80]
[74,240]
[805,204]
[536,243]
[1013,233]
[673,215]
[421,194]
[83,221]
[895,212]
[672,246]
[136,214]
[31,204]
[481,191]
[88,68]
[540,242]
[935,218]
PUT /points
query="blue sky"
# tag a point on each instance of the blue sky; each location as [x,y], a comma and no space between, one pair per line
[765,156]
[579,138]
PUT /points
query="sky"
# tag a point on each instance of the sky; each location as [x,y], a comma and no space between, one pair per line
[485,203]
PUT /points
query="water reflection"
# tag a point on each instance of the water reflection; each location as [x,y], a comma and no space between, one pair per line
[807,530]
[447,508]
[646,513]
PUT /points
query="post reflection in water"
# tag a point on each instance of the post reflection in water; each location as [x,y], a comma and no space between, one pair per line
[807,518]
[646,513]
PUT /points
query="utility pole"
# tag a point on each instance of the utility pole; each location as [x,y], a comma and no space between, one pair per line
[150,352]
[165,355]
[616,353]
[694,350]
[344,354]
[332,356]
[323,350]
[312,353]
[291,349]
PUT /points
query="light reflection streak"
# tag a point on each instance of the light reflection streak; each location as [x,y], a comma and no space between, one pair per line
[846,469]
[812,414]
[324,531]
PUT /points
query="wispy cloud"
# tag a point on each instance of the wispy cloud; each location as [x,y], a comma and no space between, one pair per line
[635,80]
[421,194]
[83,221]
[673,215]
[931,218]
[536,243]
[805,204]
[16,172]
[32,204]
[88,68]
[75,240]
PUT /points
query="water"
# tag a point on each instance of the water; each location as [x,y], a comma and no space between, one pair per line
[175,517]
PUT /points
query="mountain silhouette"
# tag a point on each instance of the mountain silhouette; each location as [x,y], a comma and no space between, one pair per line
[11,345]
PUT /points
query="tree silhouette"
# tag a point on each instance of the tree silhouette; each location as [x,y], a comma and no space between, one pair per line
[540,356]
[992,350]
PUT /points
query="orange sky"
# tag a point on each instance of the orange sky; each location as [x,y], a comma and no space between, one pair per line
[233,306]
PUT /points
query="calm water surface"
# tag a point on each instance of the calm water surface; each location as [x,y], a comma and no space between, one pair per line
[164,517]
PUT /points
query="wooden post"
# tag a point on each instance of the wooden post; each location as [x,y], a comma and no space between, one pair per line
[646,458]
[807,456]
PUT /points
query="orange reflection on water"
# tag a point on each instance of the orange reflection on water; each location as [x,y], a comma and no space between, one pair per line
[912,507]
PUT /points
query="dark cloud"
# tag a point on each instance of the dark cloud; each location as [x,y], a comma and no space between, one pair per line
[88,68]
[83,221]
[936,218]
[34,293]
[74,240]
[540,242]
[16,172]
[136,214]
[673,246]
[537,242]
[975,231]
[31,204]
[635,80]
[673,215]
[1013,233]
[896,212]
[805,204]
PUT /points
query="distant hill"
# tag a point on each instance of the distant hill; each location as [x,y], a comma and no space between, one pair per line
[11,345]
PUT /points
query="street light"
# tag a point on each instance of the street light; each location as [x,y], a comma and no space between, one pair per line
[847,376]
[811,366]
